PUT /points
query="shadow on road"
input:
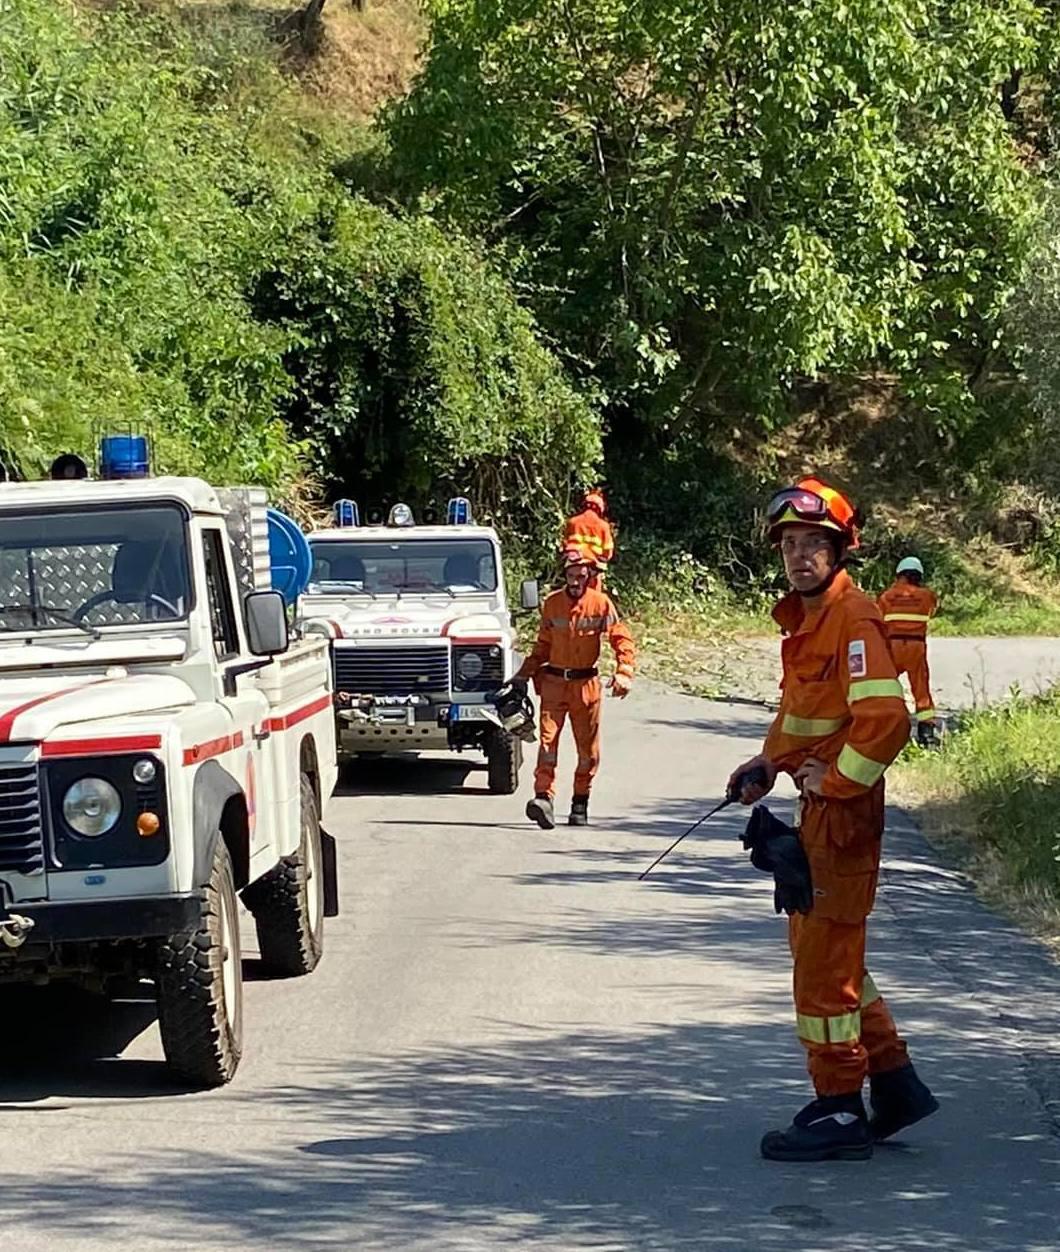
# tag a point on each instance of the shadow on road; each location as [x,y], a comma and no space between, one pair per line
[407,776]
[578,1138]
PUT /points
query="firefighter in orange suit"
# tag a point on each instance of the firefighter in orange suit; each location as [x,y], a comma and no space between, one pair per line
[590,529]
[907,607]
[842,721]
[564,666]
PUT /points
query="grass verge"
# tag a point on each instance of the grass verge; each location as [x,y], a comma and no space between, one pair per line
[990,798]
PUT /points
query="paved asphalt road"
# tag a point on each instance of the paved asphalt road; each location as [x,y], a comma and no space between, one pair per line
[512,1043]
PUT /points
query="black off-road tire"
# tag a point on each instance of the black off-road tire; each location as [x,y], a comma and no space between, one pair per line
[288,901]
[504,754]
[200,1012]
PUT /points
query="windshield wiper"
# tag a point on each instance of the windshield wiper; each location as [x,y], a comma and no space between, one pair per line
[56,615]
[330,585]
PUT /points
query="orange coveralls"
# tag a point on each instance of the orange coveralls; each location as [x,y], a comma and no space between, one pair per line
[569,638]
[906,610]
[591,532]
[842,703]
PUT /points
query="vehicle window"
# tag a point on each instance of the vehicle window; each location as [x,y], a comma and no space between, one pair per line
[92,567]
[378,567]
[219,594]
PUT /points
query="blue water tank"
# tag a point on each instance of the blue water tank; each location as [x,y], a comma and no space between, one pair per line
[289,556]
[124,456]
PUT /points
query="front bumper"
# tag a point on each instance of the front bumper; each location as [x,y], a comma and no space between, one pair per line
[90,921]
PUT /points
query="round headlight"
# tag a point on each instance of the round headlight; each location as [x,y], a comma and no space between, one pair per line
[469,665]
[144,771]
[91,807]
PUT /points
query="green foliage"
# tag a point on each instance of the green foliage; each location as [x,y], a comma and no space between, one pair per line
[418,373]
[136,202]
[1000,772]
[707,202]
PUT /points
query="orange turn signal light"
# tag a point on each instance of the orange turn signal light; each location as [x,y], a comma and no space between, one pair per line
[147,824]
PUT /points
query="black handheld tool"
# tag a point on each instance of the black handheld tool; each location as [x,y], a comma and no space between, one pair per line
[748,778]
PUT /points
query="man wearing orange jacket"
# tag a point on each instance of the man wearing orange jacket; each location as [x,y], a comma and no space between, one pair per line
[564,666]
[842,721]
[907,607]
[590,530]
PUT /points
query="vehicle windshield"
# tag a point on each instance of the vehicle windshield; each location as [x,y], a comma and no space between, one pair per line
[403,565]
[87,569]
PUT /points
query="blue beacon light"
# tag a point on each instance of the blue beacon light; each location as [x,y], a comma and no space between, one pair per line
[459,511]
[124,456]
[347,514]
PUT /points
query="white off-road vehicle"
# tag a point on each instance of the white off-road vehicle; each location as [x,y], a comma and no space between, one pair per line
[164,747]
[421,635]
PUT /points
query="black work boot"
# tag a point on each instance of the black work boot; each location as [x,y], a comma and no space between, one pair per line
[579,811]
[926,735]
[831,1128]
[898,1099]
[540,810]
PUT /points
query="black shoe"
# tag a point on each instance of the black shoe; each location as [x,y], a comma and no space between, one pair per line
[898,1099]
[831,1128]
[540,810]
[579,811]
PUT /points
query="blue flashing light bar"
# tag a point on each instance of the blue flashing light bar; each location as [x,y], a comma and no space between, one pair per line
[347,514]
[124,456]
[459,511]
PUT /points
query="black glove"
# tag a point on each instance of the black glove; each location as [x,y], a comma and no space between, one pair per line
[777,850]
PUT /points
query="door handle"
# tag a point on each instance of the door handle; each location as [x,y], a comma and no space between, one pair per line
[261,735]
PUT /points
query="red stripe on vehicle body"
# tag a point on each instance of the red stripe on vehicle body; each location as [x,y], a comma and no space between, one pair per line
[8,719]
[200,752]
[457,640]
[299,715]
[102,747]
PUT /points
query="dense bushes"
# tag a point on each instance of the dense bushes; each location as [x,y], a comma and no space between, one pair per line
[176,256]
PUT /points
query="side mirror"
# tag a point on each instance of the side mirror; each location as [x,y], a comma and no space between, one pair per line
[530,594]
[266,617]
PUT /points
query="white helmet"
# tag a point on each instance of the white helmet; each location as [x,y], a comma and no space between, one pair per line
[911,565]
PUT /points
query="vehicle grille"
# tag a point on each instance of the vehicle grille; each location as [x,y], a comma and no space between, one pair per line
[21,838]
[392,671]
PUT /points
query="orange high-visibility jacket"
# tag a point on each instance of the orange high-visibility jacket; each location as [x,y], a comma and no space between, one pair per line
[907,609]
[572,631]
[842,702]
[590,530]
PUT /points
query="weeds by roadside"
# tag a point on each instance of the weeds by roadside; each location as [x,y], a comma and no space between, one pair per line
[991,798]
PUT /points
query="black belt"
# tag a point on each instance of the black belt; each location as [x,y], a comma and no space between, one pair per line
[570,673]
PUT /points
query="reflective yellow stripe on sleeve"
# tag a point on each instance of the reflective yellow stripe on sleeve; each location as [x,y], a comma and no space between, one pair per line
[811,727]
[907,617]
[858,768]
[926,715]
[868,687]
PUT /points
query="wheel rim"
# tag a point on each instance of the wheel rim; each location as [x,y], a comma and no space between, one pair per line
[231,979]
[314,882]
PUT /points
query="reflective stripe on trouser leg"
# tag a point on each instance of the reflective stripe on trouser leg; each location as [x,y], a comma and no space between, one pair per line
[552,720]
[879,1035]
[828,982]
[585,722]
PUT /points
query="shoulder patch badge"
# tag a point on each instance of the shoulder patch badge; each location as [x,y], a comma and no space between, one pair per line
[856,658]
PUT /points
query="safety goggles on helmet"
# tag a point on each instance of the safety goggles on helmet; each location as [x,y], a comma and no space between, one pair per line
[813,503]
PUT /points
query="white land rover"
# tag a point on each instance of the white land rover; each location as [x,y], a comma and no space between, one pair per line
[163,747]
[421,635]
